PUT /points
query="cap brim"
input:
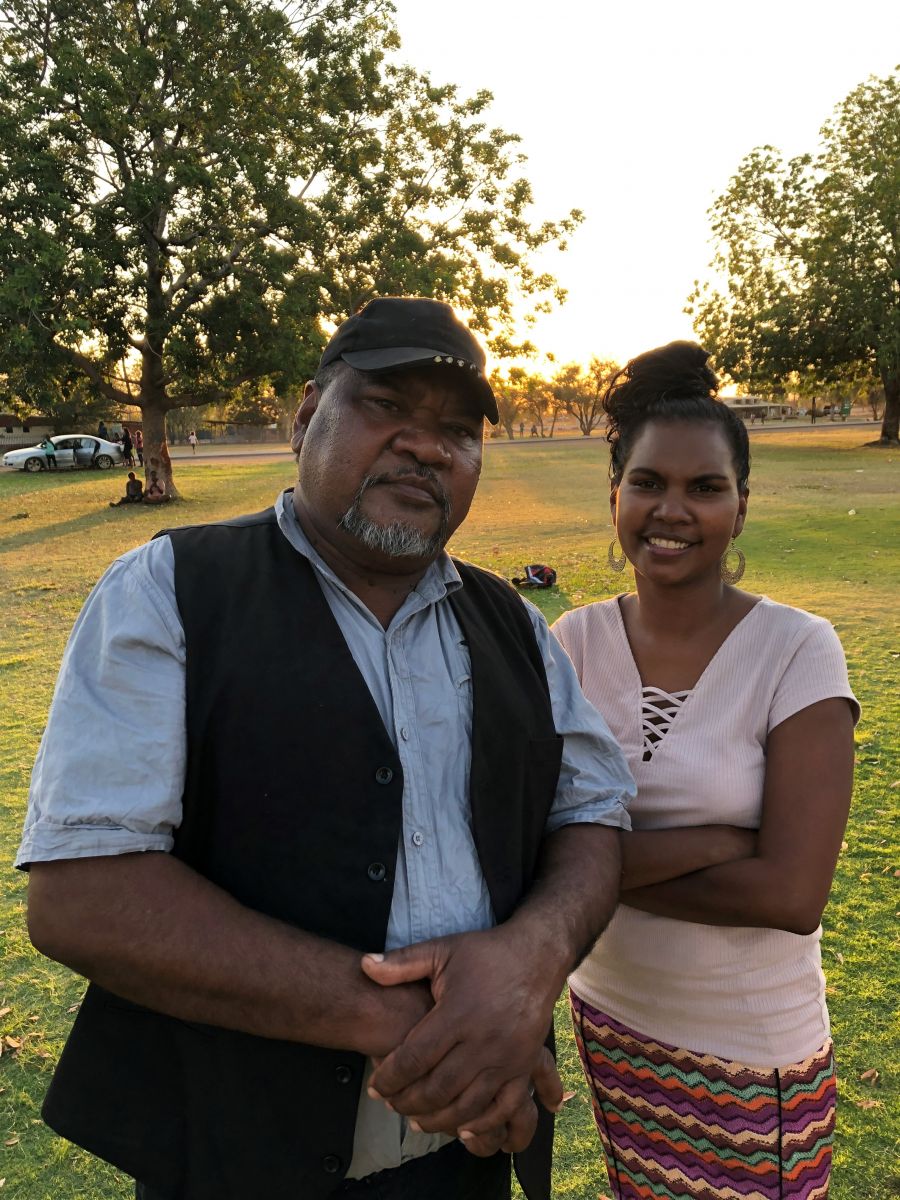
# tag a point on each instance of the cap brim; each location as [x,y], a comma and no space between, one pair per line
[411,356]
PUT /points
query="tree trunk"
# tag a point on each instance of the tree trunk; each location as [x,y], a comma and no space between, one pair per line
[154,404]
[156,446]
[890,424]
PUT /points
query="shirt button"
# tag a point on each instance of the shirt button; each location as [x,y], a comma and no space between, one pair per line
[343,1073]
[384,775]
[418,838]
[376,872]
[404,733]
[331,1163]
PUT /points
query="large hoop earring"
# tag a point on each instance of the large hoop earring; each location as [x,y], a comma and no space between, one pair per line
[732,574]
[616,562]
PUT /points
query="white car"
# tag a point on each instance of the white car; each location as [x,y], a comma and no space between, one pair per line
[72,450]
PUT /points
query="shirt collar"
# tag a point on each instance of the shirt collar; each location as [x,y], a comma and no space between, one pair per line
[439,580]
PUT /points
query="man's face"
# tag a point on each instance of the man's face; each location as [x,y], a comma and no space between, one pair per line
[389,462]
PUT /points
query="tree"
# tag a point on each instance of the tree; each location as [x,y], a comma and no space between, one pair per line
[580,391]
[194,189]
[810,253]
[535,396]
[70,404]
[509,402]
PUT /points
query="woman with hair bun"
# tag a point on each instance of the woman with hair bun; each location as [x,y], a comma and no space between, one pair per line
[700,1014]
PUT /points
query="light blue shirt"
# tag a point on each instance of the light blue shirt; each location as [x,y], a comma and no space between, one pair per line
[109,774]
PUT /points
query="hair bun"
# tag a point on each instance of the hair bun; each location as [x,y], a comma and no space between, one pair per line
[677,369]
[673,382]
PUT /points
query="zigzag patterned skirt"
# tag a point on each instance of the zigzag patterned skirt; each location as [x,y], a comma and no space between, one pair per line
[682,1126]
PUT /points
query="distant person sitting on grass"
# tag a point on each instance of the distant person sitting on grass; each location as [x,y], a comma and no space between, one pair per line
[50,454]
[134,492]
[156,490]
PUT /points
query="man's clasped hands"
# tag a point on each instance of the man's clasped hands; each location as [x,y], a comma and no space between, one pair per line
[460,1045]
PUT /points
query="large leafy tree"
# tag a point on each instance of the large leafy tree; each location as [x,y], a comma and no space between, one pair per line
[193,189]
[579,391]
[809,250]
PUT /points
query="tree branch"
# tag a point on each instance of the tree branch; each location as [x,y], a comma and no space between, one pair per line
[88,367]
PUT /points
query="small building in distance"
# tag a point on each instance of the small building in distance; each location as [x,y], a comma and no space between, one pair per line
[757,408]
[16,432]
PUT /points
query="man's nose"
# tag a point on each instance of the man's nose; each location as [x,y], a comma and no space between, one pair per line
[424,441]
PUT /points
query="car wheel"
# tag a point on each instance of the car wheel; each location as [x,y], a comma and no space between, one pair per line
[34,464]
[103,461]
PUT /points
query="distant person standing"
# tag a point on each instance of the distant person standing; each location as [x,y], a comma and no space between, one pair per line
[50,454]
[102,431]
[127,448]
[139,446]
[192,438]
[813,413]
[521,429]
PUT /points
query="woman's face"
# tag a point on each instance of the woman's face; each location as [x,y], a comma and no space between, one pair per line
[677,505]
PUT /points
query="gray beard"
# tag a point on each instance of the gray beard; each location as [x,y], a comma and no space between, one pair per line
[397,539]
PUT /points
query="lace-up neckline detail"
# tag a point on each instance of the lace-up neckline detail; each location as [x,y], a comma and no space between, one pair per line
[658,711]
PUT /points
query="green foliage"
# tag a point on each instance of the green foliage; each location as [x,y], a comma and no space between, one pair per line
[579,391]
[536,500]
[809,250]
[71,403]
[191,187]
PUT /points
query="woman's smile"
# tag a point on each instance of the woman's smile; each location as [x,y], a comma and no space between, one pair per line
[667,546]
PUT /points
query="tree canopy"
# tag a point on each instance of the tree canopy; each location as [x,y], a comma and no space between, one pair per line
[194,189]
[809,251]
[579,391]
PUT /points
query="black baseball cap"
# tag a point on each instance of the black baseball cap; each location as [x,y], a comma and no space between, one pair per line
[408,331]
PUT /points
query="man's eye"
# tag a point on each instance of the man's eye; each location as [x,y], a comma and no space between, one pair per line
[385,403]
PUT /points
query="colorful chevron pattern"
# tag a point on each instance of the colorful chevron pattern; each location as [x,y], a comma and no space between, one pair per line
[682,1126]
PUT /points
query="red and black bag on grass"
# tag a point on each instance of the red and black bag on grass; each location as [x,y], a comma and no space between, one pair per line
[537,575]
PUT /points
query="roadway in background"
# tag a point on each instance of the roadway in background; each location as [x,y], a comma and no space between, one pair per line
[236,452]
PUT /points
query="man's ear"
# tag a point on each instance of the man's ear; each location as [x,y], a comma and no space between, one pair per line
[303,416]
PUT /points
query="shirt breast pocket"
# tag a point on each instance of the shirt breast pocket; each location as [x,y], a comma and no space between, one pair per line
[462,686]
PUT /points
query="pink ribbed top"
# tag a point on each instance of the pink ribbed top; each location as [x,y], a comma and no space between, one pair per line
[755,996]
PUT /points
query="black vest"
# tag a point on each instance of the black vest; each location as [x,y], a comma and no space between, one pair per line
[292,803]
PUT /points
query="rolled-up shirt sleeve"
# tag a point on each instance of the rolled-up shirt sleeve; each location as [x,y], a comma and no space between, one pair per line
[595,785]
[109,774]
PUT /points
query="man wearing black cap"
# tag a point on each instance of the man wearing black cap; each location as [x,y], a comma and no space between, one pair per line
[361,746]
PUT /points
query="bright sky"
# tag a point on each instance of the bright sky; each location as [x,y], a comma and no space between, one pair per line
[638,112]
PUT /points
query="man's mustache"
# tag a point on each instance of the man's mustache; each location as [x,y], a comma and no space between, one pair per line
[437,489]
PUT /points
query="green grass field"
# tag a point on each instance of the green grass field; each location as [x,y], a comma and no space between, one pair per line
[536,503]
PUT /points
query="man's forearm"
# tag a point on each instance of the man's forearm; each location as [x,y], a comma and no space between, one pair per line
[148,928]
[572,899]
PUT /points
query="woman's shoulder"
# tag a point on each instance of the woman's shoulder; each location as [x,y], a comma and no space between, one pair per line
[588,617]
[792,624]
[806,660]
